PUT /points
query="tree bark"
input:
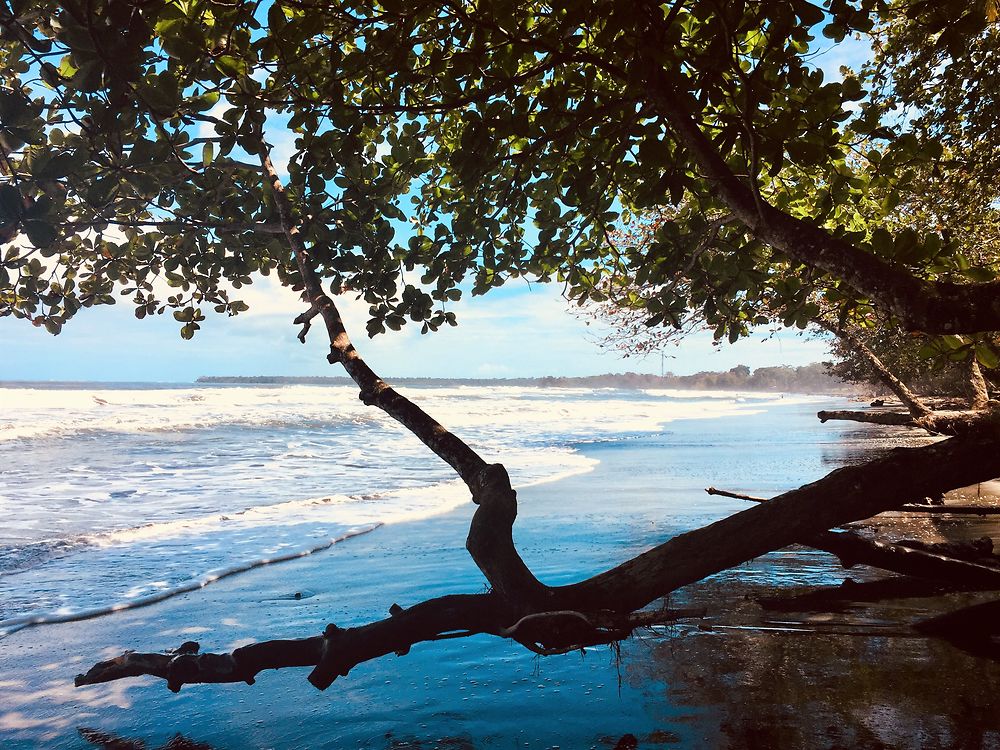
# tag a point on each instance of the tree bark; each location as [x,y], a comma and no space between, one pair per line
[980,397]
[894,418]
[490,541]
[853,549]
[936,423]
[940,307]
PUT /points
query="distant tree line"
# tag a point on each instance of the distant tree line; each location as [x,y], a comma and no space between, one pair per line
[812,378]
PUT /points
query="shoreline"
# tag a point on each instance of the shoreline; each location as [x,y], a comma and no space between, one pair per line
[483,692]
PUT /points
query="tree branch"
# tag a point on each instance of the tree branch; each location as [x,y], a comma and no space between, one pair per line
[490,540]
[937,423]
[339,650]
[930,306]
[911,401]
[894,418]
[848,494]
[608,602]
[225,227]
[853,549]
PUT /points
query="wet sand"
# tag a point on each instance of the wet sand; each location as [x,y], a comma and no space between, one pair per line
[743,677]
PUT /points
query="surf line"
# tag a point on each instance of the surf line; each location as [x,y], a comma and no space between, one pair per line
[14,624]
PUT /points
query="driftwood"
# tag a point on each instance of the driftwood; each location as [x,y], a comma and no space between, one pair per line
[958,422]
[906,559]
[974,510]
[546,619]
[964,510]
[850,592]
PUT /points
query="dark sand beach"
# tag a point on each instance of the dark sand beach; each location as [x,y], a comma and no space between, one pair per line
[741,677]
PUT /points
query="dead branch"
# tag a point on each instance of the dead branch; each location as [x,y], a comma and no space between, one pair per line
[936,423]
[925,561]
[976,510]
[339,650]
[850,592]
[604,608]
[964,510]
[894,418]
[973,629]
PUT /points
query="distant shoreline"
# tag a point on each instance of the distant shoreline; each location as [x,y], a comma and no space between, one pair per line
[811,379]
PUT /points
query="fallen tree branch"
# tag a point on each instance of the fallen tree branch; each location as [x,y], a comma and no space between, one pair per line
[339,650]
[936,423]
[894,418]
[966,510]
[604,607]
[853,549]
[973,629]
[849,592]
[977,510]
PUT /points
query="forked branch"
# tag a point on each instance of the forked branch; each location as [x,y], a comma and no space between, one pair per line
[546,619]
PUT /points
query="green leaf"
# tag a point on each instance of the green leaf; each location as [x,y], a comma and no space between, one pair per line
[205,101]
[40,233]
[987,357]
[59,166]
[11,204]
[233,67]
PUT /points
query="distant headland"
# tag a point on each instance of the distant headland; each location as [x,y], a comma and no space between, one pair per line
[807,379]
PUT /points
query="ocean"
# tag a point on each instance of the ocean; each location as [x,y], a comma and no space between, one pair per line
[114,496]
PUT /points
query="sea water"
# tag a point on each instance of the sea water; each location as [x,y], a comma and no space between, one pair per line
[118,495]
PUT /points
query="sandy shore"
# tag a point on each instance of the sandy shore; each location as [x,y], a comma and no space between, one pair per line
[741,678]
[477,692]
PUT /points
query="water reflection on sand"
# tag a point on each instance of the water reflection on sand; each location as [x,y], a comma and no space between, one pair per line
[791,689]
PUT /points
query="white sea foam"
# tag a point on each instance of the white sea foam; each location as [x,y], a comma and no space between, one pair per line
[133,600]
[165,487]
[33,413]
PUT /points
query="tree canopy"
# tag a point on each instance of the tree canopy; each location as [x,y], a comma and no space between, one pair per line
[440,146]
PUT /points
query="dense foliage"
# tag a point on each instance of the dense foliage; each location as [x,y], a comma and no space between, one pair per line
[441,147]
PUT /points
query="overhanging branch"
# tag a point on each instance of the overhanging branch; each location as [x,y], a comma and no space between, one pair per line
[932,306]
[490,540]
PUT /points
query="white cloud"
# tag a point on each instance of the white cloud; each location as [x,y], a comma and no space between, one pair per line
[507,333]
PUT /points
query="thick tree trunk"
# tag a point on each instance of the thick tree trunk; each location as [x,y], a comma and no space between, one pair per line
[931,306]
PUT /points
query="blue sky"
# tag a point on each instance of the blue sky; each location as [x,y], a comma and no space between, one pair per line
[517,331]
